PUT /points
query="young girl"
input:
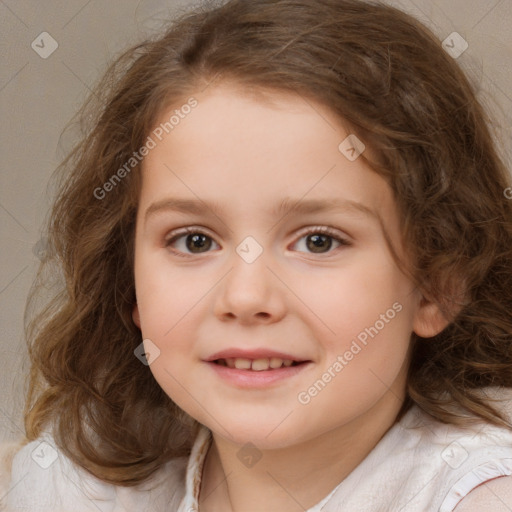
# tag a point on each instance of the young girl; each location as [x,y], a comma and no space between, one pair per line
[286,247]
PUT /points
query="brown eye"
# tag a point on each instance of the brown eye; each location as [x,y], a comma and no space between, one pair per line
[190,242]
[198,242]
[318,243]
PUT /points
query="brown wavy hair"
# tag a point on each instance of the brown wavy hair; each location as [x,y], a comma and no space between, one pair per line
[386,76]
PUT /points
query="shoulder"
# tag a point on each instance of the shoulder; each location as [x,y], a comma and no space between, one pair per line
[7,452]
[476,468]
[493,495]
[461,466]
[42,479]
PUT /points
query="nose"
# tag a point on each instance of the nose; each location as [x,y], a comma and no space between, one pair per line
[250,293]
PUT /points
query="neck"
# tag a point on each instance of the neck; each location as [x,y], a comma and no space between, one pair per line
[293,478]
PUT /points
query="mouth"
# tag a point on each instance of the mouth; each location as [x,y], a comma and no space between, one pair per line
[257,372]
[257,365]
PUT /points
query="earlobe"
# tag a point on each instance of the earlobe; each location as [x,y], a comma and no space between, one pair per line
[429,319]
[136,316]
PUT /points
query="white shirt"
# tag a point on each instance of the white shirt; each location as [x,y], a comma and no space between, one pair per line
[420,465]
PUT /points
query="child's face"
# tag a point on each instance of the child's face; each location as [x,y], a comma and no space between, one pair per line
[305,295]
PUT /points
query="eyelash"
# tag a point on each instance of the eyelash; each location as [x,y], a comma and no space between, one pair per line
[323,230]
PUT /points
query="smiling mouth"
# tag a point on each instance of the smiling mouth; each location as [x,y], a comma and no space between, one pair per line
[258,365]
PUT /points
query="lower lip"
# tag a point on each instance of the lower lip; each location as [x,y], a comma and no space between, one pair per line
[257,379]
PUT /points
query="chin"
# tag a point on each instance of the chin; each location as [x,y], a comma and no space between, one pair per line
[264,435]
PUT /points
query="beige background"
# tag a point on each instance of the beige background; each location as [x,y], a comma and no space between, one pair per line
[39,96]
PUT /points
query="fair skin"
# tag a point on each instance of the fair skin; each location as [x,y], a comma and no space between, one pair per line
[247,155]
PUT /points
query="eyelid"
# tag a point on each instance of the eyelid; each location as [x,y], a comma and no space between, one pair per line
[326,230]
[176,233]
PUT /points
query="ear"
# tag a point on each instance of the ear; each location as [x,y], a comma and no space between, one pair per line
[136,316]
[429,320]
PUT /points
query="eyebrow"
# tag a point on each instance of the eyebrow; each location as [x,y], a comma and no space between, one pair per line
[286,206]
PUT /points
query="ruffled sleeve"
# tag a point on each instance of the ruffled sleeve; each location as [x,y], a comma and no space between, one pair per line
[483,473]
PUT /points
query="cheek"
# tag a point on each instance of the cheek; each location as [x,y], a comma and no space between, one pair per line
[367,294]
[167,295]
[366,314]
[174,368]
[367,355]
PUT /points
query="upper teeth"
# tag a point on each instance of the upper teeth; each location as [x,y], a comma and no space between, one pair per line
[255,364]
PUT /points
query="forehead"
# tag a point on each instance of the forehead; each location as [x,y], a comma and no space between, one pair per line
[251,150]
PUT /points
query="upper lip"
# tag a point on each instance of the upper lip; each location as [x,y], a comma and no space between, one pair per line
[261,353]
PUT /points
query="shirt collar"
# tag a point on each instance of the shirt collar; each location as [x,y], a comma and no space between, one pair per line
[195,464]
